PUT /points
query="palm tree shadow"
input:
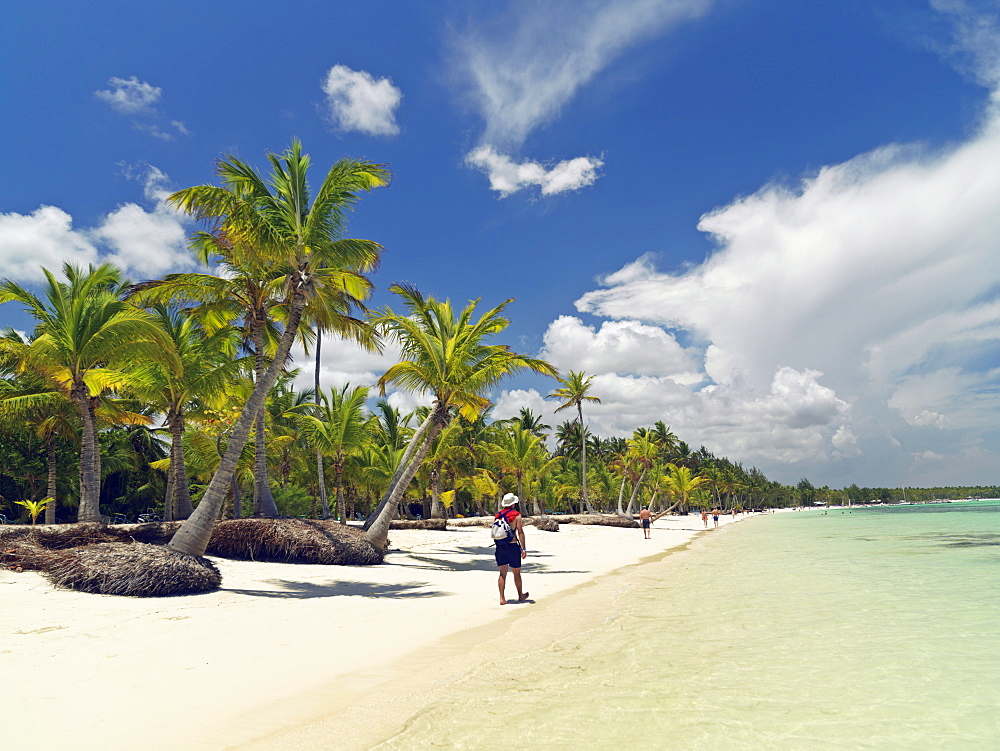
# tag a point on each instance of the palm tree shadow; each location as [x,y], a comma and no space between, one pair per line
[480,561]
[305,591]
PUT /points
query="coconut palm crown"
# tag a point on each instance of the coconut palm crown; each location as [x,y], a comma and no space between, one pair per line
[277,223]
[447,356]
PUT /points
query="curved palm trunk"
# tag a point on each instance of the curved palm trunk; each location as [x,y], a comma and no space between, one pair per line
[50,491]
[378,532]
[193,536]
[668,510]
[635,494]
[90,459]
[404,463]
[583,459]
[263,501]
[621,494]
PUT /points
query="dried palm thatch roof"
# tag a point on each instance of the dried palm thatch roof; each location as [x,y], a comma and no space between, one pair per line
[436,524]
[130,569]
[293,541]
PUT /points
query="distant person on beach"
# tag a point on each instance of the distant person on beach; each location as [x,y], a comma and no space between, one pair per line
[647,521]
[715,516]
[704,517]
[510,554]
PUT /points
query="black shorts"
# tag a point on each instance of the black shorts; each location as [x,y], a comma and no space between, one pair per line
[645,523]
[508,554]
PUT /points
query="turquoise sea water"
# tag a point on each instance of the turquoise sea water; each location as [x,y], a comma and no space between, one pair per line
[864,628]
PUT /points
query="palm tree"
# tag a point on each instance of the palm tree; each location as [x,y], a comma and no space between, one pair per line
[86,338]
[340,430]
[681,483]
[200,369]
[642,452]
[276,224]
[573,394]
[530,422]
[515,450]
[446,355]
[32,400]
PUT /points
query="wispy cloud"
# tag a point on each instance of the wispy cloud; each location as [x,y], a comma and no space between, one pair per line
[359,101]
[522,69]
[130,96]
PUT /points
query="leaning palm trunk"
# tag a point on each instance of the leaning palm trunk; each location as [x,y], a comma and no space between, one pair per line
[411,448]
[635,494]
[621,494]
[668,510]
[193,536]
[50,454]
[90,459]
[378,532]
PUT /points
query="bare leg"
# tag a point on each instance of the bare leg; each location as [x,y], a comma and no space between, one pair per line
[502,583]
[521,594]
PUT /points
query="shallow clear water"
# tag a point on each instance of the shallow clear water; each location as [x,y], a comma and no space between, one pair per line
[868,628]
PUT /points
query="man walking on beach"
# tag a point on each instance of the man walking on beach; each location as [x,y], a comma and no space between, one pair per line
[645,518]
[510,553]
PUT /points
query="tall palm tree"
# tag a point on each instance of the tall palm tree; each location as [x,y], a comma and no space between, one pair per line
[516,451]
[85,340]
[201,368]
[276,223]
[447,356]
[642,452]
[681,484]
[30,399]
[340,430]
[573,393]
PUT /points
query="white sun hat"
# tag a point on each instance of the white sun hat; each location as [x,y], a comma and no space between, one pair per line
[509,500]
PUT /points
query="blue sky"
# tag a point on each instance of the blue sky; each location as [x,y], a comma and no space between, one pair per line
[773,225]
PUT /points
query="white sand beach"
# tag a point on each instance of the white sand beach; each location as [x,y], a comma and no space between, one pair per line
[294,656]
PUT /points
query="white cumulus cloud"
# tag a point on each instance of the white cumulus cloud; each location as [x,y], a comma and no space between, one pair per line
[507,176]
[359,101]
[45,237]
[854,315]
[143,242]
[130,96]
[623,347]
